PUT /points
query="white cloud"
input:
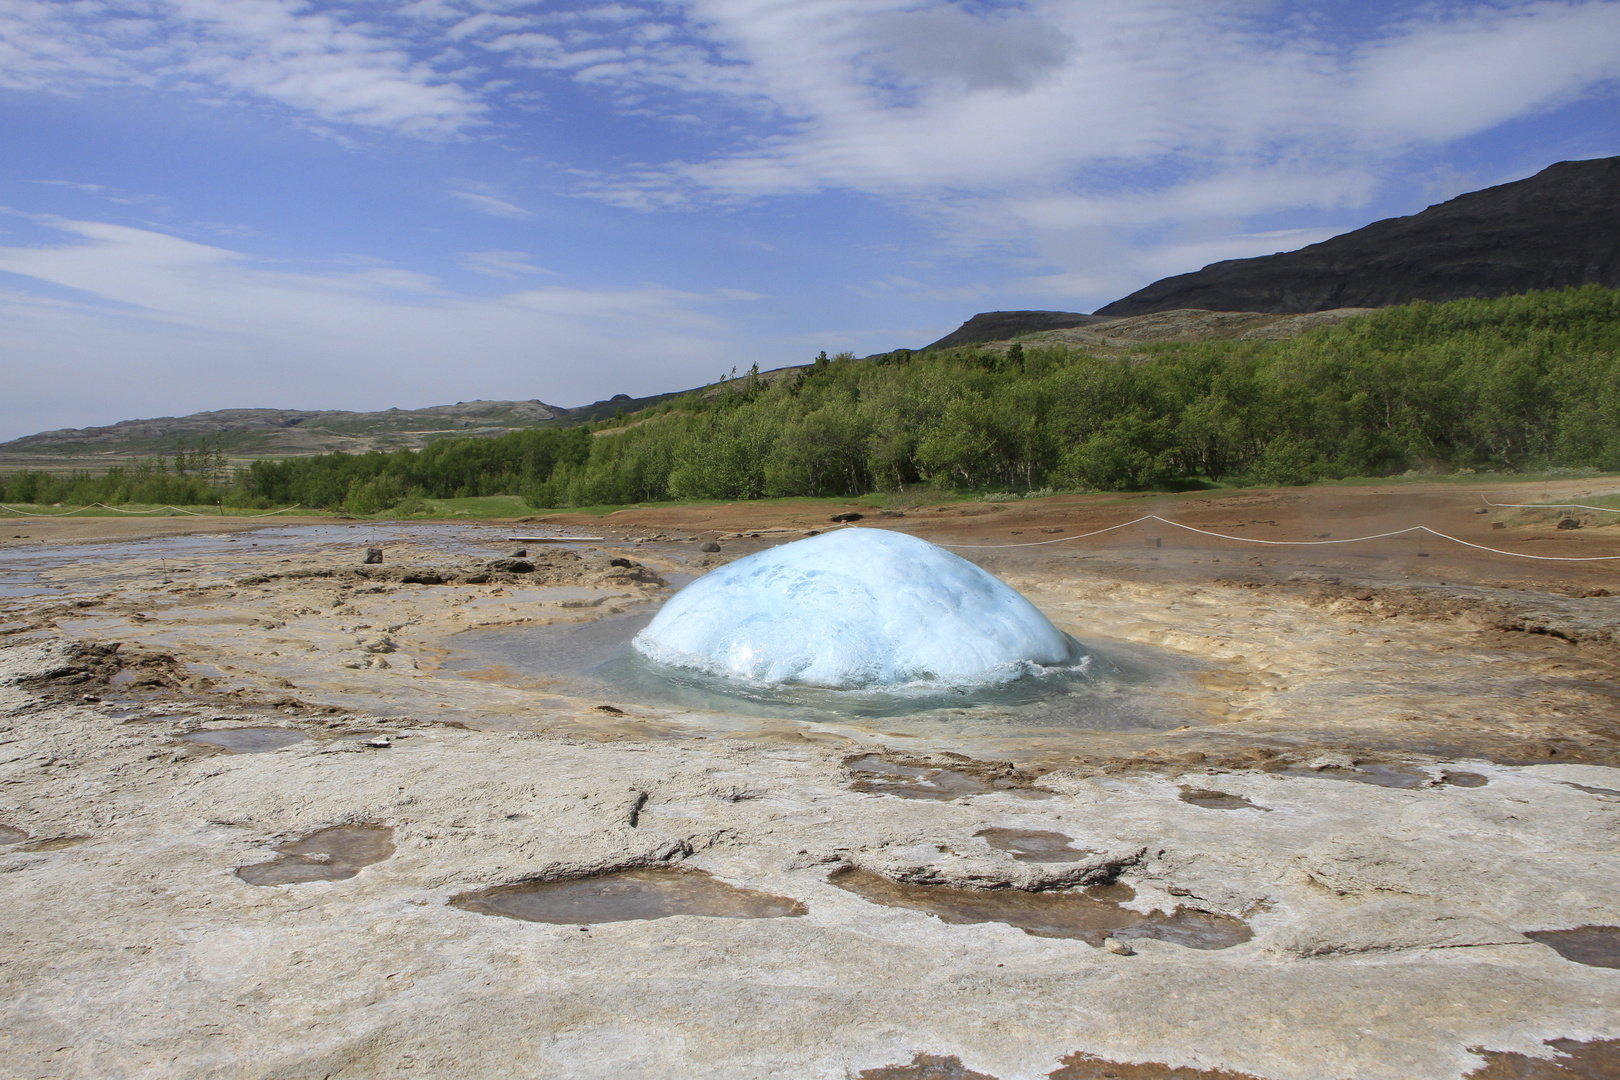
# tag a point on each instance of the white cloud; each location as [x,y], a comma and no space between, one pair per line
[502,264]
[312,62]
[482,197]
[165,325]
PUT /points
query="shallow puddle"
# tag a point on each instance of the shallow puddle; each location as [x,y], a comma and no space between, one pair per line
[1033,845]
[627,896]
[1571,1060]
[1595,946]
[1591,790]
[875,776]
[1217,800]
[55,843]
[246,740]
[1086,1067]
[8,835]
[334,854]
[1089,916]
[1390,776]
[926,1067]
[1463,779]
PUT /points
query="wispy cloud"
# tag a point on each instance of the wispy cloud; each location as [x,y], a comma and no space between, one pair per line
[485,199]
[317,64]
[163,324]
[502,264]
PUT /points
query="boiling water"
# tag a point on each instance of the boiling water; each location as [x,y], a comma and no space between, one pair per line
[1112,689]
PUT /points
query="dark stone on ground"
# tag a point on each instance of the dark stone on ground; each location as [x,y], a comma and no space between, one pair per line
[1557,229]
[711,547]
[373,555]
[1569,523]
[851,516]
[511,566]
[520,553]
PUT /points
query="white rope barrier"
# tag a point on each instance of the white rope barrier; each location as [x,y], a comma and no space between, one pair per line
[1550,506]
[157,510]
[1295,543]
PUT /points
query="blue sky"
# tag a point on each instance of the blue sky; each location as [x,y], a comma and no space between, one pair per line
[232,203]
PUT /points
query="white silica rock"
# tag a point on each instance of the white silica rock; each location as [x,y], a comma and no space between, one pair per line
[854,609]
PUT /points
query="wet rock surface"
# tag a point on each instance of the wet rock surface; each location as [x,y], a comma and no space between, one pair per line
[1385,920]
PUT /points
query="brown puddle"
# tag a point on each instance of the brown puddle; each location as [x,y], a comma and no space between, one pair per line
[1034,845]
[1086,1067]
[335,854]
[926,1067]
[627,896]
[246,740]
[1393,776]
[1089,916]
[1595,946]
[1218,800]
[8,835]
[1597,1060]
[879,777]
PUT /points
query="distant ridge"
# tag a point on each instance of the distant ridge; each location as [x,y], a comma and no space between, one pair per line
[294,431]
[1001,325]
[1558,228]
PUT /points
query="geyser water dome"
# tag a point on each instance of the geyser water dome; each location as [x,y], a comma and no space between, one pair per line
[857,609]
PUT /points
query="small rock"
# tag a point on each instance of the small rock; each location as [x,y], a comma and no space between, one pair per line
[1569,523]
[711,547]
[626,563]
[373,555]
[512,566]
[609,709]
[1498,524]
[1482,509]
[381,742]
[851,516]
[1331,761]
[521,553]
[1118,947]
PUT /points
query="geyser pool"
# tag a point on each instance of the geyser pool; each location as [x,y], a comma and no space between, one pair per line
[857,609]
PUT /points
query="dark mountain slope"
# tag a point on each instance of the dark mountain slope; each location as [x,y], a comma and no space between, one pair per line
[1002,325]
[1558,228]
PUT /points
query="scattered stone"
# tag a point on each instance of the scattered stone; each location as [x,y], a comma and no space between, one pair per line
[382,742]
[511,566]
[373,556]
[1118,947]
[1569,523]
[1482,509]
[625,563]
[610,709]
[851,516]
[711,547]
[521,553]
